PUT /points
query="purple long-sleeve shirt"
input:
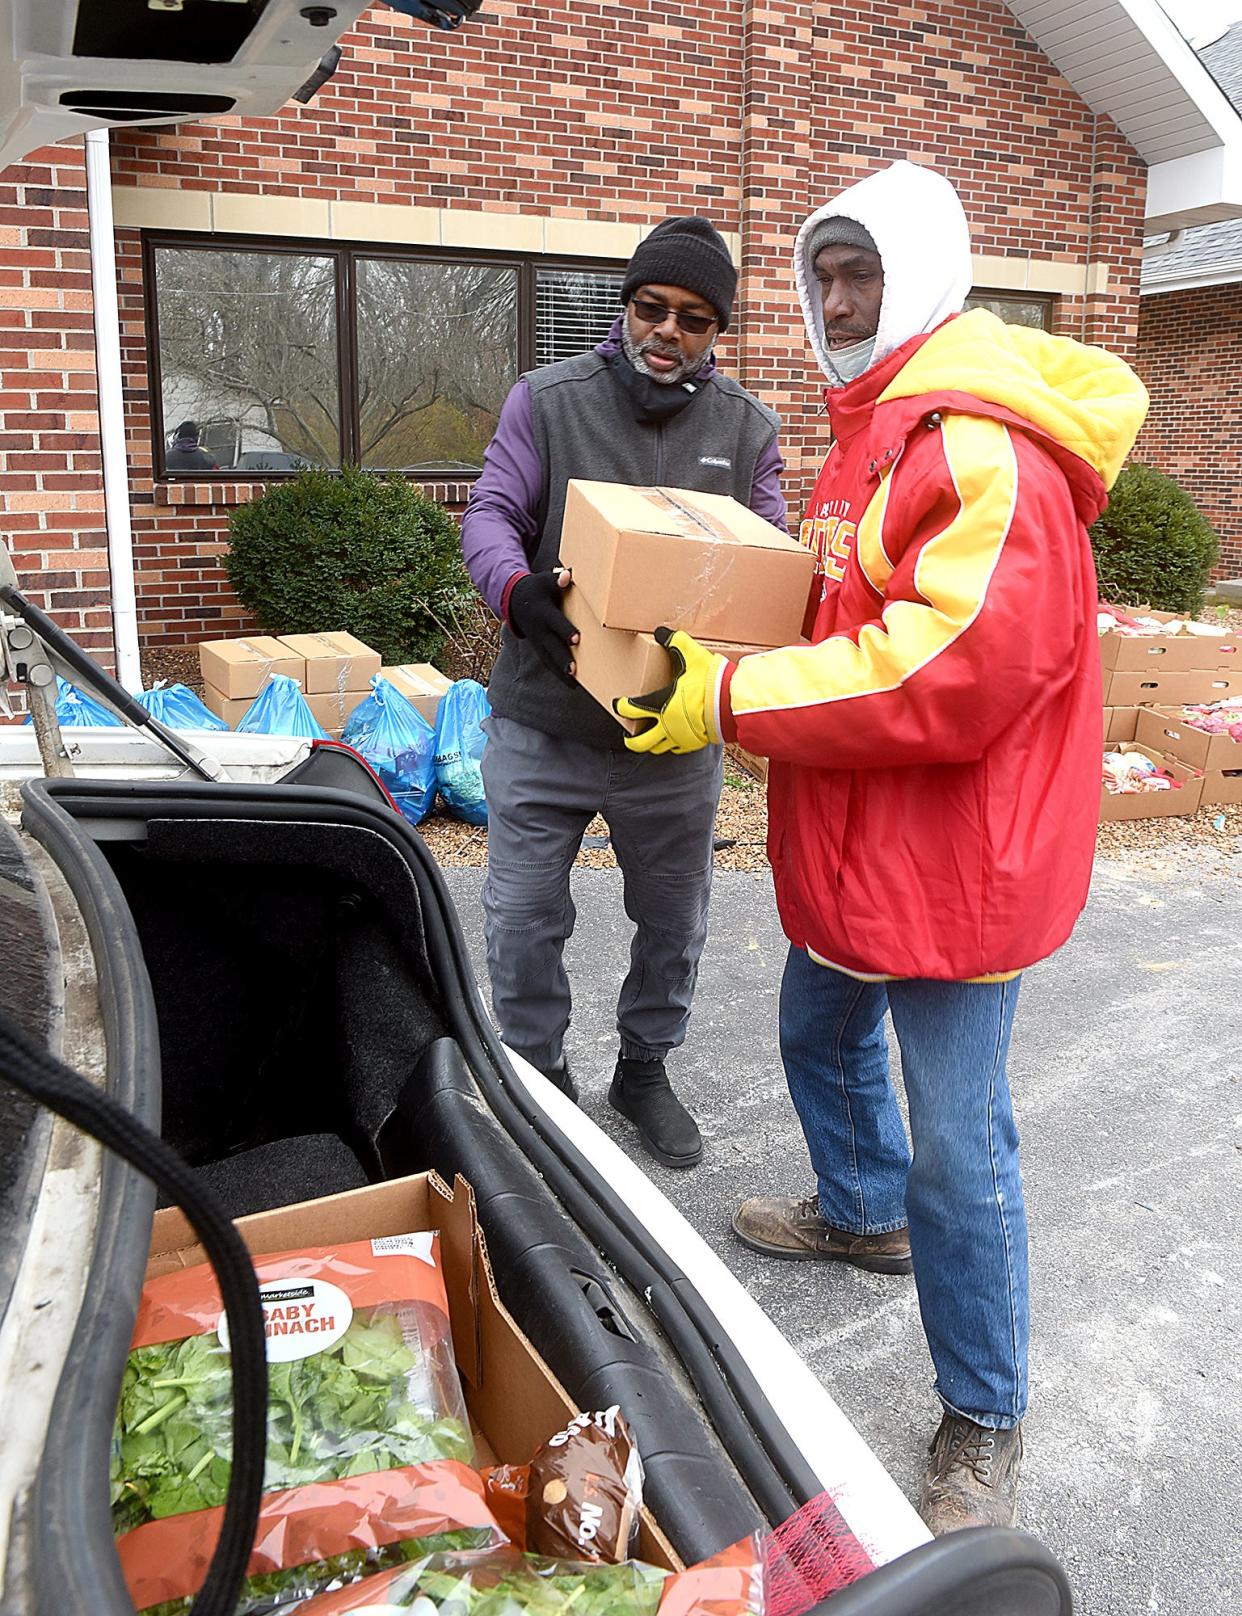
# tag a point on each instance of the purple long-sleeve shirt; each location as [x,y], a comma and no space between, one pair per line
[502,516]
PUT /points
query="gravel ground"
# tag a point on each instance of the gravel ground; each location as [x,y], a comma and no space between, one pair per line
[1210,843]
[174,667]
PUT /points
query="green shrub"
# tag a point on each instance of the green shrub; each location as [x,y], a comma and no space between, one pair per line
[371,555]
[1153,546]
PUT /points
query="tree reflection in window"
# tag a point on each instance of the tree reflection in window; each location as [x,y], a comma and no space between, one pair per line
[248,351]
[437,352]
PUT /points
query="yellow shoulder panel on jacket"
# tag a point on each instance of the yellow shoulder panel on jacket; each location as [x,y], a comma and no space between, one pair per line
[951,573]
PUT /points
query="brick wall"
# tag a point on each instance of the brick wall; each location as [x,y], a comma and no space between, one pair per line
[752,111]
[51,488]
[1188,347]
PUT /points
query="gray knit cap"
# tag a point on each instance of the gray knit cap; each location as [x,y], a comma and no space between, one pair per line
[837,232]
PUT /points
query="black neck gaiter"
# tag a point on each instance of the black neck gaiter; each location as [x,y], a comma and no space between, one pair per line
[651,401]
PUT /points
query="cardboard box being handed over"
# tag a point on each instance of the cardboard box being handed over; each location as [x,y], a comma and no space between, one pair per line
[614,662]
[643,557]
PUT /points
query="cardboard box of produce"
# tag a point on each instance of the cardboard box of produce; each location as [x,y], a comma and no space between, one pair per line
[332,710]
[703,562]
[422,685]
[1120,724]
[1218,756]
[1174,653]
[1173,732]
[615,662]
[1153,804]
[514,1401]
[334,661]
[1222,787]
[1153,687]
[238,669]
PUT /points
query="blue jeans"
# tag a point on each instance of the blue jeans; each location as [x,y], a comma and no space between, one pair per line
[961,1194]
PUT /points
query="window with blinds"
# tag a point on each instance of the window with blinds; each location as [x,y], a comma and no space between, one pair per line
[574,310]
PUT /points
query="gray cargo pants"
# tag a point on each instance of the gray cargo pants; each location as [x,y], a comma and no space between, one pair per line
[542,792]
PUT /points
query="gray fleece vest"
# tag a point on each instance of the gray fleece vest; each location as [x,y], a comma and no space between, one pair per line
[584,428]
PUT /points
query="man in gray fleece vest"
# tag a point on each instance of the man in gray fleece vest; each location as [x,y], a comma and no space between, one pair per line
[647,406]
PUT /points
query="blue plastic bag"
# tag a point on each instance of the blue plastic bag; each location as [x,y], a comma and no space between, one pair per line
[459,750]
[280,709]
[77,711]
[179,708]
[399,744]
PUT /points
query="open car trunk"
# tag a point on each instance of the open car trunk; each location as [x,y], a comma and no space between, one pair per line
[284,992]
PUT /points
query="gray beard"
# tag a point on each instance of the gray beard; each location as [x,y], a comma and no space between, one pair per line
[681,372]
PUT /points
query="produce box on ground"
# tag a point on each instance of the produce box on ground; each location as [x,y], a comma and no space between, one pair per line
[1143,639]
[422,686]
[615,662]
[1222,787]
[1139,783]
[644,557]
[513,1402]
[334,661]
[1120,724]
[1152,687]
[1207,737]
[238,669]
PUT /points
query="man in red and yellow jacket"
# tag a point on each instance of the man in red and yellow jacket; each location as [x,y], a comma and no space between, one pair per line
[934,779]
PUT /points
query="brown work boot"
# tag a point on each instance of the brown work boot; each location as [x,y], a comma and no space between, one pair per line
[780,1226]
[972,1476]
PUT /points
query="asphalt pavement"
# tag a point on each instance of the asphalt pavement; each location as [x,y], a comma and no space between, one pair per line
[1127,1075]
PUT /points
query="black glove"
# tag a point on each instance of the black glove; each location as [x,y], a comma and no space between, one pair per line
[536,613]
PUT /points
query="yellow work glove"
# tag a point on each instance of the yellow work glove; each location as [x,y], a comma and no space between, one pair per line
[684,711]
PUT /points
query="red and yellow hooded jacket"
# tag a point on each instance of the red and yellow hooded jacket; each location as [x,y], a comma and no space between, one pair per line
[935,749]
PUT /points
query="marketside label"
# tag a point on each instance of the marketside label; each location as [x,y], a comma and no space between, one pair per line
[298,1319]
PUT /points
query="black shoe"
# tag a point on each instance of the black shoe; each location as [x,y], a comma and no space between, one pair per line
[562,1078]
[642,1093]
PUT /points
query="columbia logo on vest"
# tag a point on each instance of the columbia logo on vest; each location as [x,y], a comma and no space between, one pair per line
[716,460]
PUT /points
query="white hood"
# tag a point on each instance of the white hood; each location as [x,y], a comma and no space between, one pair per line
[916,220]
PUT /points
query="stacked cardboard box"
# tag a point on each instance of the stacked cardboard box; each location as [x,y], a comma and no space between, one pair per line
[1218,757]
[235,671]
[333,671]
[422,685]
[339,670]
[646,557]
[1146,674]
[1179,802]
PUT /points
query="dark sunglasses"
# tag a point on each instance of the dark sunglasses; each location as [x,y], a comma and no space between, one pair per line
[656,314]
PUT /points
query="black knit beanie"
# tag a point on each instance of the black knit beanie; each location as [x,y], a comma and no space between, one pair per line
[690,253]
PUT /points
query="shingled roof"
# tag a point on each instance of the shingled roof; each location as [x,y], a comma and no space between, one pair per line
[1210,254]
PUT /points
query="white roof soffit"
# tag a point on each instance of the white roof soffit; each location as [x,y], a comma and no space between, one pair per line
[1127,59]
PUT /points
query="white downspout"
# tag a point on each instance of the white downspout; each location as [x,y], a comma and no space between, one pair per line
[112,409]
